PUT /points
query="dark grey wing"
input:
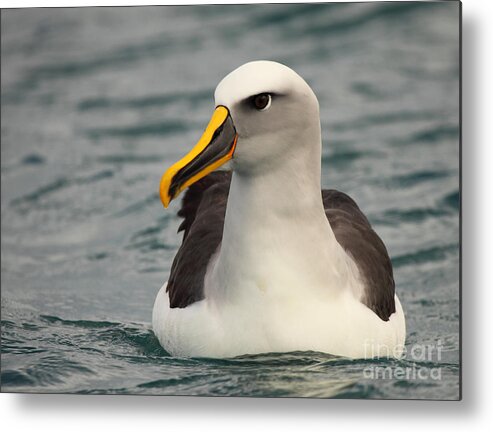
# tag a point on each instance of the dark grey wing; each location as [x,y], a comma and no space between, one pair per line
[355,234]
[203,209]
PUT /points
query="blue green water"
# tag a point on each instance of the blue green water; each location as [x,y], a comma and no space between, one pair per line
[98,102]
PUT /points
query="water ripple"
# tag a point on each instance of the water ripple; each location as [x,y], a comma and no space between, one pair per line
[144,102]
[161,128]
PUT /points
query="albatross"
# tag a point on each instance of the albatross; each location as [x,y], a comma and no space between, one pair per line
[270,262]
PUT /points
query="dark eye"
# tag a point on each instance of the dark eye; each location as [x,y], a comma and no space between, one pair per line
[262,101]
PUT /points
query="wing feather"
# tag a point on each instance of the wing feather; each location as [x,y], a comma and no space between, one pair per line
[203,211]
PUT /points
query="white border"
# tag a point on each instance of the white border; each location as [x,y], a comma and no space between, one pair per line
[73,3]
[139,413]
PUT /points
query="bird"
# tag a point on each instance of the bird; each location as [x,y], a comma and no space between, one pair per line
[270,262]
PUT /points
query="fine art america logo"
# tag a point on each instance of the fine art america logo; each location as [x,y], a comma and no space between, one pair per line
[415,353]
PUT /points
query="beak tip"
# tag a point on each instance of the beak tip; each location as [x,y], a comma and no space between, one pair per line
[163,191]
[165,199]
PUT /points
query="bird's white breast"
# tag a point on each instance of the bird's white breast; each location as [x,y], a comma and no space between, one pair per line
[266,324]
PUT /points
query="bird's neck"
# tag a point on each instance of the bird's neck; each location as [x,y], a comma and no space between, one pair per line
[275,231]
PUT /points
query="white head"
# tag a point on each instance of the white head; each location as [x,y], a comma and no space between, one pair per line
[266,117]
[267,134]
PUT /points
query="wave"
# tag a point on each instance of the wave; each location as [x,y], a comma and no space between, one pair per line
[145,101]
[417,177]
[60,184]
[417,215]
[161,128]
[433,135]
[423,256]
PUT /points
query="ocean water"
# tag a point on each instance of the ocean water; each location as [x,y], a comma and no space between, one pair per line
[98,102]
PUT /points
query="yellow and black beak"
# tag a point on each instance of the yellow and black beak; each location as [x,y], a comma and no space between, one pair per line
[215,147]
